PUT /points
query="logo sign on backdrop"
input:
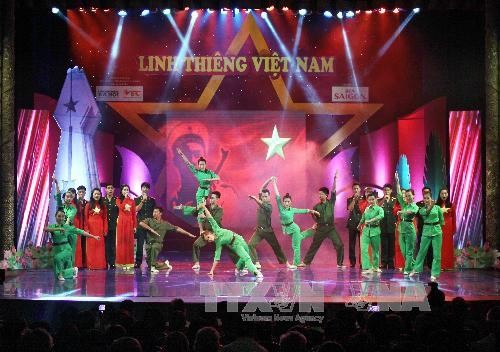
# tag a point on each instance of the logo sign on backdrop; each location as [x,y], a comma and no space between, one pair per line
[119,93]
[349,94]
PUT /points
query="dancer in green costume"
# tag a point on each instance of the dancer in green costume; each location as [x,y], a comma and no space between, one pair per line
[370,237]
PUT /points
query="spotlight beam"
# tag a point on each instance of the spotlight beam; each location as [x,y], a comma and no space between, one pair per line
[181,37]
[349,57]
[80,31]
[114,50]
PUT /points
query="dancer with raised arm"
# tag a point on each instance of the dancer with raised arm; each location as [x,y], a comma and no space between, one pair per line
[236,243]
[61,232]
[407,231]
[289,227]
[264,229]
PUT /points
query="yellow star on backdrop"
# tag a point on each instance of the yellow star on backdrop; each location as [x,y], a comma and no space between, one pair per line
[275,144]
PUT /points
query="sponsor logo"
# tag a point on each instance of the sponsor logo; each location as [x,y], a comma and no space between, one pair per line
[119,93]
[349,94]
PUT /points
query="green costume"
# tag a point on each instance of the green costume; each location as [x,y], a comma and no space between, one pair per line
[217,213]
[264,231]
[371,236]
[325,229]
[407,234]
[291,228]
[431,233]
[63,252]
[155,243]
[233,241]
[70,212]
[203,186]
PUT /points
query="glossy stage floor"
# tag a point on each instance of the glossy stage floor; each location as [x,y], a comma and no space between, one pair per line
[317,282]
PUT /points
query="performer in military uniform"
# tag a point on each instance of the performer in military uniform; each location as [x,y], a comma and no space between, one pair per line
[144,206]
[325,226]
[289,227]
[236,243]
[61,232]
[157,228]
[370,236]
[112,212]
[433,219]
[353,221]
[387,228]
[264,229]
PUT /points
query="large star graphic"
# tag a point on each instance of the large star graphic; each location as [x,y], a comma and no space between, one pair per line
[70,105]
[275,144]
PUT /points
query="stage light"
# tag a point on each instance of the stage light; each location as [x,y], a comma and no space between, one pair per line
[369,12]
[93,9]
[122,13]
[416,10]
[284,9]
[194,14]
[167,12]
[340,15]
[358,12]
[396,10]
[248,10]
[81,9]
[236,11]
[223,11]
[186,8]
[270,8]
[145,12]
[382,10]
[55,10]
[302,12]
[349,14]
[106,10]
[327,14]
[263,14]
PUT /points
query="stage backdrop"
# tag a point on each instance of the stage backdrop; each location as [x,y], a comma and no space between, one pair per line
[297,97]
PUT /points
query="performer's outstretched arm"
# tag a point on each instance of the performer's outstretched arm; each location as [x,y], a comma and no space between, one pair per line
[334,185]
[264,186]
[184,232]
[275,184]
[214,265]
[184,158]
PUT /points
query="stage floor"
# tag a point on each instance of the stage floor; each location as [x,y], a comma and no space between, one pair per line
[317,282]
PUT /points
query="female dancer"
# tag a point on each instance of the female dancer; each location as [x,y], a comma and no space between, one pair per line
[290,228]
[433,220]
[63,253]
[448,251]
[406,228]
[96,221]
[370,236]
[125,228]
[399,260]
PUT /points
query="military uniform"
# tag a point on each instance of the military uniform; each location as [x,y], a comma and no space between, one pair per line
[235,243]
[325,228]
[112,211]
[264,231]
[420,226]
[431,233]
[352,225]
[388,229]
[62,250]
[371,237]
[290,228]
[141,233]
[155,243]
[203,186]
[407,233]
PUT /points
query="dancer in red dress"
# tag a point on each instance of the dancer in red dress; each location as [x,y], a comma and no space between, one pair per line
[96,222]
[399,261]
[125,228]
[80,223]
[449,228]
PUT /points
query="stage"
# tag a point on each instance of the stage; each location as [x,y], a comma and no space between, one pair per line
[318,282]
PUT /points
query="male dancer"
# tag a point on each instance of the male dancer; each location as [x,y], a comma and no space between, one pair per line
[144,206]
[387,228]
[370,236]
[325,226]
[112,210]
[157,228]
[264,230]
[224,237]
[353,221]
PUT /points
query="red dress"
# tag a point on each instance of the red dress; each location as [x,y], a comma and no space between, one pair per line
[447,249]
[127,222]
[80,223]
[96,223]
[399,261]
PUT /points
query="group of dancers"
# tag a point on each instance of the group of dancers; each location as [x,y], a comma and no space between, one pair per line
[114,222]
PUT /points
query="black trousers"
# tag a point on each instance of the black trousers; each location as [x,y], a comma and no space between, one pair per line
[387,250]
[140,235]
[110,244]
[353,237]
